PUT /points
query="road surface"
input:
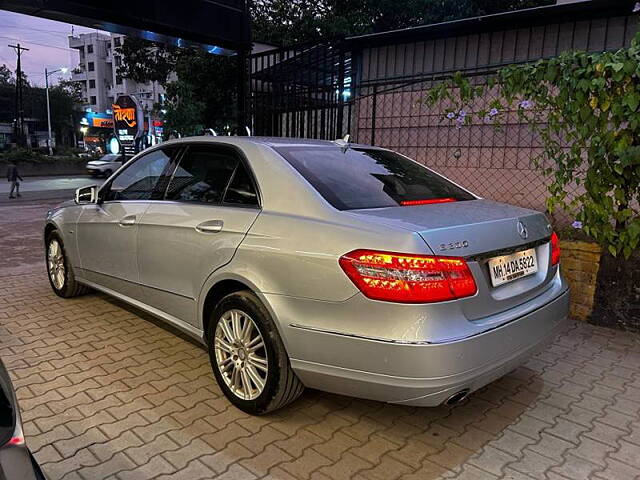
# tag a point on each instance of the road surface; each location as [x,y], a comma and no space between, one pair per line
[46,188]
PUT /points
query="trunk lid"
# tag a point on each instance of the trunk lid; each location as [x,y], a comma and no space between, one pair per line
[479,230]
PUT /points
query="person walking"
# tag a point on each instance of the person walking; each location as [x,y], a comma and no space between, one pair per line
[13,176]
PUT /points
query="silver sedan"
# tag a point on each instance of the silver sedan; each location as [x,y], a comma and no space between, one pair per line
[302,263]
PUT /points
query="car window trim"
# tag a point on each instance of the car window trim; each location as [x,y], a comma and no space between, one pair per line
[178,159]
[241,159]
[201,204]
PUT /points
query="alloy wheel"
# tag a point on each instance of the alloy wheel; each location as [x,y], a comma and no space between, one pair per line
[241,355]
[55,263]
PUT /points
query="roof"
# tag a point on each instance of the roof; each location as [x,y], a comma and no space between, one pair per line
[268,141]
[527,17]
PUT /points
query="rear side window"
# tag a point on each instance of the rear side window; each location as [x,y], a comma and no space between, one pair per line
[204,175]
[241,190]
[368,178]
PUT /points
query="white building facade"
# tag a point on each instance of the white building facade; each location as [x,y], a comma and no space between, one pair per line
[97,74]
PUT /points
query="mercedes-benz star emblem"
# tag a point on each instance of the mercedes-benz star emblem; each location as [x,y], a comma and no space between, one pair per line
[522,230]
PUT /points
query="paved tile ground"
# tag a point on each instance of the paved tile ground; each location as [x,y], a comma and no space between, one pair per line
[108,393]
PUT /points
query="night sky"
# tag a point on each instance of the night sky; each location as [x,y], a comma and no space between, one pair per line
[46,41]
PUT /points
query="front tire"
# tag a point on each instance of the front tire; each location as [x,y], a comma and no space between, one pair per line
[59,269]
[248,357]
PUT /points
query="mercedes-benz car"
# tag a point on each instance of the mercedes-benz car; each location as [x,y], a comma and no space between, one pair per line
[303,263]
[16,461]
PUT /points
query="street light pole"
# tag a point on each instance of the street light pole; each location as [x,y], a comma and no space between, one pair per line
[46,83]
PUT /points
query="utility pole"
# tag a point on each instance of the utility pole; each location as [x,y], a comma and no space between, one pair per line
[19,126]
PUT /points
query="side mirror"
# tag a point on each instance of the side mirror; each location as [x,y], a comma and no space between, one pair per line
[86,195]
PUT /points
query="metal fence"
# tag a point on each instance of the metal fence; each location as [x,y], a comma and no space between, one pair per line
[492,161]
[371,87]
[302,91]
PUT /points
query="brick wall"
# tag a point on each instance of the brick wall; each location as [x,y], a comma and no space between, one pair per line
[580,263]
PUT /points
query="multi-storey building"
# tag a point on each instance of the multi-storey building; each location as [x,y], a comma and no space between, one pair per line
[97,73]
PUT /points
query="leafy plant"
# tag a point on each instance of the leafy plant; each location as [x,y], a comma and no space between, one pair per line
[585,109]
[22,155]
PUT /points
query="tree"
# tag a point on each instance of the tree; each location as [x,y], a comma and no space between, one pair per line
[6,76]
[71,89]
[146,61]
[585,108]
[284,22]
[184,112]
[64,98]
[203,93]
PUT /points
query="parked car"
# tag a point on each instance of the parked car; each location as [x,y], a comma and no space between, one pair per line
[16,461]
[105,166]
[341,267]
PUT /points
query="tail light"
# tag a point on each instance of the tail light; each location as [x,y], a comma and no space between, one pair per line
[555,249]
[397,277]
[16,441]
[428,201]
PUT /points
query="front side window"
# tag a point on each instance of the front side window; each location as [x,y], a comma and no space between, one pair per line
[145,179]
[203,174]
[369,178]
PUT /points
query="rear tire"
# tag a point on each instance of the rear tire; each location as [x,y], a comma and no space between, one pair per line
[237,359]
[59,270]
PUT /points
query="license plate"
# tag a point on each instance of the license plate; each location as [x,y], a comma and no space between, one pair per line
[508,268]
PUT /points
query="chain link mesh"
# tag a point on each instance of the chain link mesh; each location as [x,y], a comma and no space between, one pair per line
[495,161]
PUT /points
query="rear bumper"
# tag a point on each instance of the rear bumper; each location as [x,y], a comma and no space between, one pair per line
[434,371]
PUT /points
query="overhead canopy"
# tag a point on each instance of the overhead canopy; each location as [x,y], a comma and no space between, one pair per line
[220,26]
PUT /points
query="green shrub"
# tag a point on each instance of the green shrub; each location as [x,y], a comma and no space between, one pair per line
[585,108]
[23,155]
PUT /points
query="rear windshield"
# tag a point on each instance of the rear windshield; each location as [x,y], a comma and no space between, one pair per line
[368,178]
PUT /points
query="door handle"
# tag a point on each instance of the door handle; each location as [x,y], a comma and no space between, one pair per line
[212,226]
[128,220]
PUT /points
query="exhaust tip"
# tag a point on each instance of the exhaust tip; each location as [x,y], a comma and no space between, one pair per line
[457,397]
